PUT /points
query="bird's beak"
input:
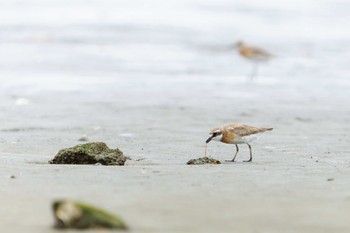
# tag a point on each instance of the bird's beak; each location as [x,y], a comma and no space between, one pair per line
[209,139]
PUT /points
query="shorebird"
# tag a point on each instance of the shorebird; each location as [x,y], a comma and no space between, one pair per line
[236,134]
[253,54]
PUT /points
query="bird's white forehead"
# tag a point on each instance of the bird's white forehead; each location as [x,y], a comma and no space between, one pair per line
[215,130]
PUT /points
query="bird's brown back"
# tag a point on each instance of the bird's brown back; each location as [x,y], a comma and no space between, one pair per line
[252,52]
[242,130]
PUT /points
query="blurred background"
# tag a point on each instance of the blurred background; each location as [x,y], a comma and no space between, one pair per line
[151,38]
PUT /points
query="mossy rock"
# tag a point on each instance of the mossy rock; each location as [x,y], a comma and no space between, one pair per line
[89,153]
[204,160]
[77,215]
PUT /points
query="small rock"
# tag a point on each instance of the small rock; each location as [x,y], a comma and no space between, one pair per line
[204,160]
[83,139]
[303,119]
[140,159]
[330,179]
[13,177]
[76,215]
[90,153]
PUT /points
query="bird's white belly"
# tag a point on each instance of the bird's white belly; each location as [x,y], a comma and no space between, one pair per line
[259,58]
[245,139]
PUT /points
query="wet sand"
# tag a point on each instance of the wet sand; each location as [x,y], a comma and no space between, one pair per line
[159,111]
[285,188]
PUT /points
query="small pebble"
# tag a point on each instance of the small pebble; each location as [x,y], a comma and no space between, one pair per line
[140,159]
[330,179]
[204,160]
[13,177]
[83,139]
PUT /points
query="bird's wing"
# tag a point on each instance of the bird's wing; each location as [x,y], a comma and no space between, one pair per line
[243,130]
[261,52]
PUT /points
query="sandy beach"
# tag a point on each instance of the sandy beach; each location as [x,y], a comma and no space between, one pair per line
[152,81]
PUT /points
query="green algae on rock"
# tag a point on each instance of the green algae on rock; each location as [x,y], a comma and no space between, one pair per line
[76,215]
[89,153]
[204,160]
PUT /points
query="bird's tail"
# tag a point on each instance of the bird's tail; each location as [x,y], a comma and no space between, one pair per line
[266,129]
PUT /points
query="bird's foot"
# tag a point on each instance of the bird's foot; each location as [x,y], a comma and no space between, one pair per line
[231,160]
[247,160]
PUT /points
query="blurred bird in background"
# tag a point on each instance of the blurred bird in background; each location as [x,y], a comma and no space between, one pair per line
[254,54]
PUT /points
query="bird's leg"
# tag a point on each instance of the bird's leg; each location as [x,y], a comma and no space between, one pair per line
[251,155]
[254,70]
[233,160]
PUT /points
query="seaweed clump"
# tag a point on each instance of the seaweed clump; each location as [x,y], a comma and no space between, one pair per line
[203,160]
[90,153]
[75,215]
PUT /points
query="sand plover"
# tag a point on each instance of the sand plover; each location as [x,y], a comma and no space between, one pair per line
[254,54]
[236,134]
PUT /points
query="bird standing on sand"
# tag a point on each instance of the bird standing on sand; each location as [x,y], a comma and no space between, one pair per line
[254,54]
[236,134]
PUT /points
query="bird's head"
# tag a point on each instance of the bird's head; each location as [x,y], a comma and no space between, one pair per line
[213,134]
[236,45]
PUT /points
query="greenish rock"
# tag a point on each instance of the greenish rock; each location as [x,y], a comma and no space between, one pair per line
[90,153]
[76,215]
[204,160]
